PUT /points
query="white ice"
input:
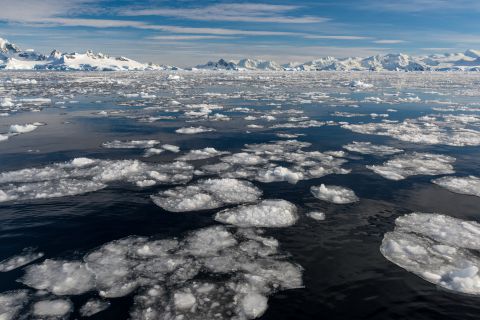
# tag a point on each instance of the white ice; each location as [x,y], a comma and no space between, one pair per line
[267,213]
[334,194]
[369,148]
[28,255]
[415,163]
[438,248]
[469,185]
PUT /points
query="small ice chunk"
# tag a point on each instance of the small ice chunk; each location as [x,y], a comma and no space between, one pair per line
[171,148]
[267,213]
[369,148]
[131,144]
[184,300]
[194,130]
[201,154]
[22,128]
[316,215]
[254,305]
[52,308]
[93,306]
[334,194]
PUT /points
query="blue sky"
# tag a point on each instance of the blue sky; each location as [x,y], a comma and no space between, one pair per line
[189,32]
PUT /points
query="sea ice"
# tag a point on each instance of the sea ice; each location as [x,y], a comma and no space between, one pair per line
[194,130]
[52,308]
[207,194]
[416,163]
[131,144]
[464,185]
[437,248]
[334,194]
[28,255]
[369,148]
[267,213]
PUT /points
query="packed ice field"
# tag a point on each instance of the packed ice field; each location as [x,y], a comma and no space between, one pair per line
[255,181]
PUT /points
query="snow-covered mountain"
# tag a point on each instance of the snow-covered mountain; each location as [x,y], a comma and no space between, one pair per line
[13,58]
[467,61]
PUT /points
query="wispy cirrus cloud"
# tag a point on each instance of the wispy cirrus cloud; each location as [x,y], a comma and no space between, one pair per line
[389,41]
[240,12]
[336,37]
[420,5]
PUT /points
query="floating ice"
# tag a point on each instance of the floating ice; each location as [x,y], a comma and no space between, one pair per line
[267,213]
[212,273]
[437,248]
[422,130]
[207,194]
[194,130]
[22,128]
[316,215]
[28,255]
[369,148]
[132,144]
[11,303]
[59,277]
[93,306]
[200,154]
[82,175]
[334,194]
[464,185]
[416,163]
[171,148]
[52,308]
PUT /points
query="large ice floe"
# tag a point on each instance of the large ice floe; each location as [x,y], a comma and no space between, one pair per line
[212,273]
[207,194]
[267,213]
[424,130]
[415,163]
[334,194]
[369,148]
[440,249]
[82,175]
[277,161]
[464,185]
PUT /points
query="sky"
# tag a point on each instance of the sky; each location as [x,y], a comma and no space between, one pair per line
[187,32]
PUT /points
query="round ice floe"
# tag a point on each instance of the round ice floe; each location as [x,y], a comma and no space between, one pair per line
[438,248]
[403,166]
[268,213]
[254,305]
[59,277]
[207,194]
[464,185]
[52,308]
[334,194]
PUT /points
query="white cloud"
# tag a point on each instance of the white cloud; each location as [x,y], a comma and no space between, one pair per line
[333,37]
[242,12]
[392,41]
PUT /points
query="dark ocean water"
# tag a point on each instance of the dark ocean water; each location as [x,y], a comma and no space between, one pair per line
[345,275]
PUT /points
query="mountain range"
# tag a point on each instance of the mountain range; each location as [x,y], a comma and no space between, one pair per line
[13,58]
